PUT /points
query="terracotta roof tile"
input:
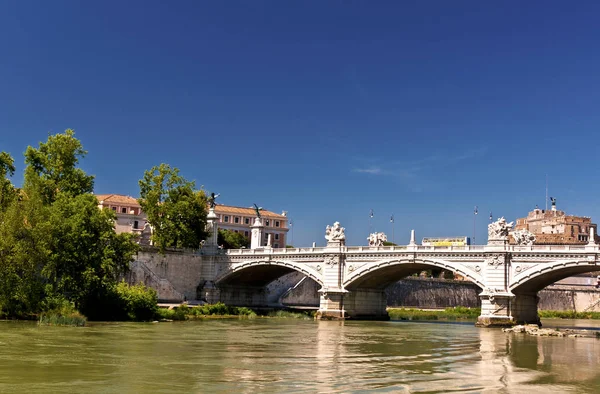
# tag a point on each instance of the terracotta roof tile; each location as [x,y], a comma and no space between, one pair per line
[224,209]
[117,199]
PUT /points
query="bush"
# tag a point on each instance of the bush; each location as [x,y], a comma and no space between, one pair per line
[140,303]
[61,312]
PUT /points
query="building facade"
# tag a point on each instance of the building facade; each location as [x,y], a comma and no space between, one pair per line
[130,217]
[555,227]
[240,220]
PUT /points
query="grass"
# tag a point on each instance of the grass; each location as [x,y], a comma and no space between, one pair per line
[456,313]
[56,319]
[183,312]
[568,315]
[220,310]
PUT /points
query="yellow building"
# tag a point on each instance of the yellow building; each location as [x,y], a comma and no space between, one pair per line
[240,219]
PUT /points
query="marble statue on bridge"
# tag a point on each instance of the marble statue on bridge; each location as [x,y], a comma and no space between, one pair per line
[377,239]
[499,229]
[335,233]
[523,237]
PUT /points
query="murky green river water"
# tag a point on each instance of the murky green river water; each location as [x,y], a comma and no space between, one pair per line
[287,356]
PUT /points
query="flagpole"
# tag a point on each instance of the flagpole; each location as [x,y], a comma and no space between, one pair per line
[370,217]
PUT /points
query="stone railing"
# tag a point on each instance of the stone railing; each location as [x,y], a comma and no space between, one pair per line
[418,248]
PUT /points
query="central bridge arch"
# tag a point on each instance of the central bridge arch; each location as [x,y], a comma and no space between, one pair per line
[381,274]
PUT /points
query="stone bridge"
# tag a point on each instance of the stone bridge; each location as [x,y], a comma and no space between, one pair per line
[353,278]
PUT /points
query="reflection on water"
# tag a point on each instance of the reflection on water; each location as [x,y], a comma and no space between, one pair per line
[271,355]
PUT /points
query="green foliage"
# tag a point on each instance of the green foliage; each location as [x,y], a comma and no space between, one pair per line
[289,246]
[139,302]
[7,190]
[291,315]
[60,312]
[387,243]
[232,240]
[175,210]
[184,312]
[568,315]
[87,255]
[456,313]
[52,168]
[55,244]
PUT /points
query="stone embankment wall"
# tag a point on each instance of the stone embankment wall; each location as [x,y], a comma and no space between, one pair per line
[570,298]
[174,275]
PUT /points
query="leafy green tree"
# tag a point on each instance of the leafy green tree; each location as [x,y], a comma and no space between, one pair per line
[175,210]
[52,168]
[56,246]
[88,257]
[7,190]
[232,240]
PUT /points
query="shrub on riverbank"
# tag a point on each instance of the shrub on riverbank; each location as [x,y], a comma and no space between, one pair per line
[184,312]
[61,312]
[456,313]
[568,315]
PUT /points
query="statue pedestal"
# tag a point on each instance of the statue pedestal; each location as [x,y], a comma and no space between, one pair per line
[257,231]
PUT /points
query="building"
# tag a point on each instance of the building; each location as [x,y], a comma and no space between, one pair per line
[130,218]
[554,227]
[240,219]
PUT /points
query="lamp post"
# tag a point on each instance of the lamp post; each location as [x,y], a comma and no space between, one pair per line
[475,212]
[392,221]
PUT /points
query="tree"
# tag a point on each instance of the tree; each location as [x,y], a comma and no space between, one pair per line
[52,168]
[232,240]
[7,190]
[175,210]
[55,244]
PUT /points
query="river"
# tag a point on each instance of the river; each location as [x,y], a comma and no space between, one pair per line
[293,356]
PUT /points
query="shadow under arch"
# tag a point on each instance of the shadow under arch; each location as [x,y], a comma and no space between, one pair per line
[262,272]
[385,272]
[542,275]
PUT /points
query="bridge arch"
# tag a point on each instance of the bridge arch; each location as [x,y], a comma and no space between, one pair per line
[263,272]
[535,278]
[385,272]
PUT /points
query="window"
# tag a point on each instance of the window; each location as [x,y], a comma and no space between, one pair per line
[267,222]
[123,210]
[236,219]
[246,220]
[277,236]
[226,219]
[276,245]
[277,223]
[113,208]
[246,233]
[135,224]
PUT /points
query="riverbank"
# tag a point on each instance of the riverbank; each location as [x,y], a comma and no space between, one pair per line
[455,313]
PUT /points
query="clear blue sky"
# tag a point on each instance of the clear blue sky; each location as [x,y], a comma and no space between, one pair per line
[326,109]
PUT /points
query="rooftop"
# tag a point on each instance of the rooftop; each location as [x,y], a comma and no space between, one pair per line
[117,199]
[246,211]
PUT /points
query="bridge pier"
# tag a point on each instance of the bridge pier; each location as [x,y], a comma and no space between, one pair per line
[504,309]
[525,309]
[361,304]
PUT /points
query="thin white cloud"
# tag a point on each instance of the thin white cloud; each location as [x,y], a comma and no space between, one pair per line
[413,174]
[369,170]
